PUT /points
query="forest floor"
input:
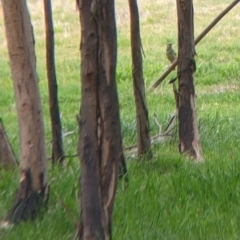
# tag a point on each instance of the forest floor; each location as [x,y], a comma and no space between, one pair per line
[168,197]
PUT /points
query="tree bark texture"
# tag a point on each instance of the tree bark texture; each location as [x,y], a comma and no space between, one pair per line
[91,205]
[189,141]
[110,139]
[144,142]
[7,157]
[100,141]
[57,143]
[33,160]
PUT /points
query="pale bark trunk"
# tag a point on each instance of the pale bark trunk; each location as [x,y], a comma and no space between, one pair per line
[144,142]
[33,160]
[57,144]
[189,141]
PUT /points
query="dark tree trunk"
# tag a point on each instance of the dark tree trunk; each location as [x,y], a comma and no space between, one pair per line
[189,141]
[110,139]
[107,89]
[33,187]
[91,205]
[57,144]
[7,157]
[100,141]
[144,142]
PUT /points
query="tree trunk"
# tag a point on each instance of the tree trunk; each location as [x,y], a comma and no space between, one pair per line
[100,141]
[57,144]
[7,158]
[144,142]
[33,188]
[189,141]
[111,138]
[91,205]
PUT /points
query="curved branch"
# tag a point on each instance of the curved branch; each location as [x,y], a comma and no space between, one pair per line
[197,40]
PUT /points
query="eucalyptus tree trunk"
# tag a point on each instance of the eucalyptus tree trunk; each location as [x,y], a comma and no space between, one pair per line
[110,144]
[144,141]
[33,187]
[91,205]
[189,141]
[57,144]
[100,141]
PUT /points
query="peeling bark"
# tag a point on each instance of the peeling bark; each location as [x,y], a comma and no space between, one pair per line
[57,143]
[189,141]
[111,144]
[144,142]
[100,141]
[33,158]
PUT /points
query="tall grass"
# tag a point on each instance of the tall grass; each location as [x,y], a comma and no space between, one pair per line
[168,197]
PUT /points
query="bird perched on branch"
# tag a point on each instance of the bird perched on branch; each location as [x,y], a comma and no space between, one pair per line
[170,53]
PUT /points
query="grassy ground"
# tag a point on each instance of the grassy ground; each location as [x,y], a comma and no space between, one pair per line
[169,197]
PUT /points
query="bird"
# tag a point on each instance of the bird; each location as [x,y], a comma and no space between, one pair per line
[170,53]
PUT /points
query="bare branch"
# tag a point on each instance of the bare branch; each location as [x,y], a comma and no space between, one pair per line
[197,40]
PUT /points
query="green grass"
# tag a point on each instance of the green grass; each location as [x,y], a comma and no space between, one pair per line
[169,197]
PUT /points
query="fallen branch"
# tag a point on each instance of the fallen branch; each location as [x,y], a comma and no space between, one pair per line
[132,150]
[65,156]
[197,40]
[64,135]
[154,139]
[157,123]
